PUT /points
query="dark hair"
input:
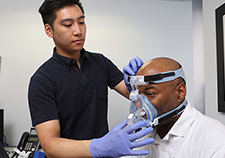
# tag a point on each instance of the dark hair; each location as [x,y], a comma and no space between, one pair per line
[48,7]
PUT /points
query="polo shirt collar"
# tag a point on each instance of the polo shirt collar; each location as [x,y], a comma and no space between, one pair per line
[68,61]
[183,124]
[181,127]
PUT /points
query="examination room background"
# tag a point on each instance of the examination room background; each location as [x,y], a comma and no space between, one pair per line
[120,29]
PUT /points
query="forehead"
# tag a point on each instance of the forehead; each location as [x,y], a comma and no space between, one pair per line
[154,66]
[68,12]
[150,70]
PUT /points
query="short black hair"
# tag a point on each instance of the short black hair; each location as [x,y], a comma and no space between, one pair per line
[48,7]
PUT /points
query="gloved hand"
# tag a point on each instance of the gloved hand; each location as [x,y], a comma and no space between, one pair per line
[131,70]
[120,141]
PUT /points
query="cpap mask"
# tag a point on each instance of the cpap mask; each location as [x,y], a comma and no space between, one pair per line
[141,108]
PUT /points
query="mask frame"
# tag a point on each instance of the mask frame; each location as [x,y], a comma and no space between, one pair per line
[135,97]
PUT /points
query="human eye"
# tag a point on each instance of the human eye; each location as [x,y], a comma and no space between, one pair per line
[67,25]
[81,22]
[150,94]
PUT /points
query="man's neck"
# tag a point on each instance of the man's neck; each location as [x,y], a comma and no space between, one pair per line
[162,130]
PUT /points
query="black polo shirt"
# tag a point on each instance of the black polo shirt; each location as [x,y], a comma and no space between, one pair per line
[77,97]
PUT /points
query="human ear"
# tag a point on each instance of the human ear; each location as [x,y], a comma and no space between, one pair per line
[48,30]
[181,92]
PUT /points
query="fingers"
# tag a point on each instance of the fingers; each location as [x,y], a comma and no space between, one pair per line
[128,70]
[141,133]
[120,126]
[135,126]
[142,142]
[139,62]
[133,65]
[139,152]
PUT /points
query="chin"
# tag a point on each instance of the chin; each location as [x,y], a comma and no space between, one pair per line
[76,49]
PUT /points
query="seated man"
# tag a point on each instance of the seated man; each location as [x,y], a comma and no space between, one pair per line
[180,131]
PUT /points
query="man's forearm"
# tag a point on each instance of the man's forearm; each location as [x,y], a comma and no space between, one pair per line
[60,147]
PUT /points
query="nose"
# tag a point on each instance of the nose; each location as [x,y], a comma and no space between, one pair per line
[138,104]
[77,30]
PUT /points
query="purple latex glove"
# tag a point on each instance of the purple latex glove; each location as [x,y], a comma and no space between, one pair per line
[131,70]
[120,141]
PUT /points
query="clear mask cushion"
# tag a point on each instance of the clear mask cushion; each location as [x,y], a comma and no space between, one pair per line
[142,110]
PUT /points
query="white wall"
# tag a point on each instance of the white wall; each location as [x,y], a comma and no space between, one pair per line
[211,100]
[119,29]
[198,56]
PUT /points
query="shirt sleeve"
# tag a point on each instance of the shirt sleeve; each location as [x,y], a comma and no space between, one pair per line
[115,76]
[41,98]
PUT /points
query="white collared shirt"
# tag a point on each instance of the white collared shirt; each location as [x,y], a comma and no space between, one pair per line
[194,135]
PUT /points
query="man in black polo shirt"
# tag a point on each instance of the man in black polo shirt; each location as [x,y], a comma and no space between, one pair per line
[68,93]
